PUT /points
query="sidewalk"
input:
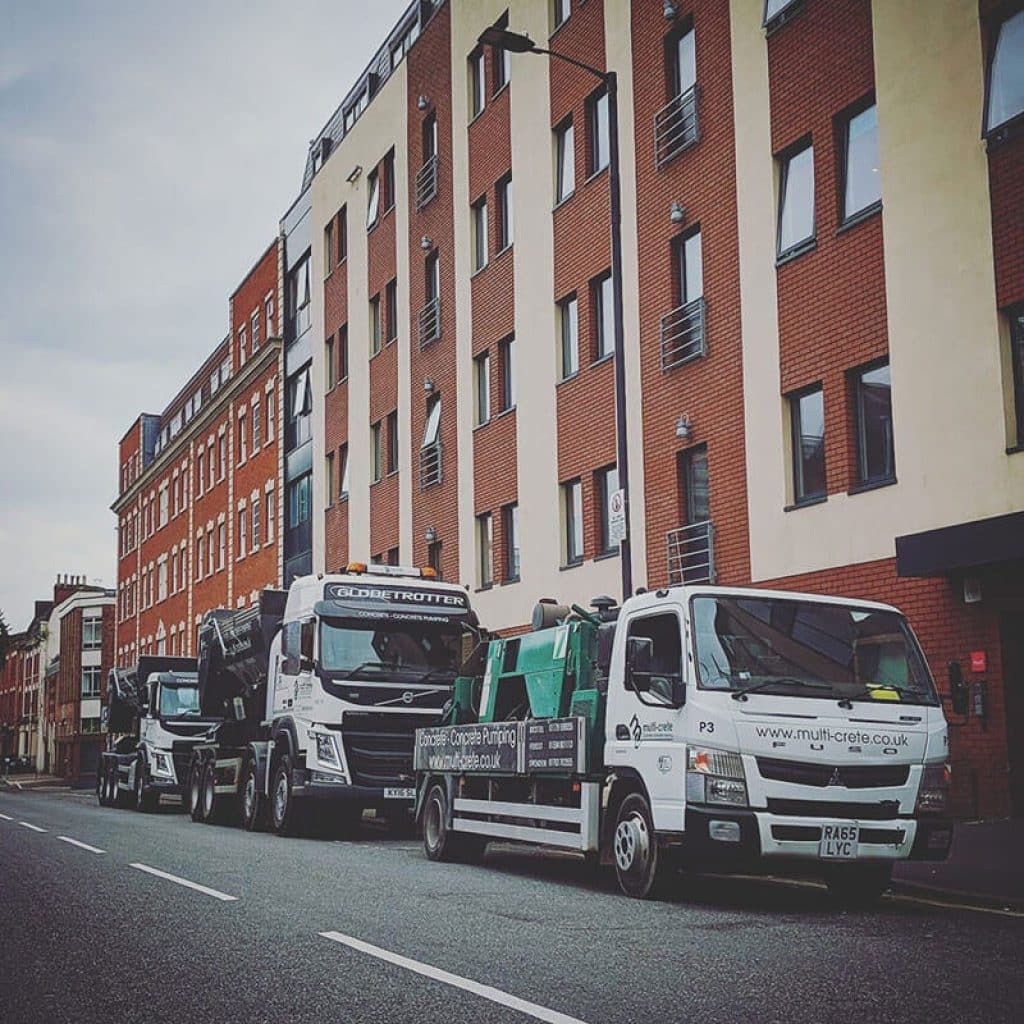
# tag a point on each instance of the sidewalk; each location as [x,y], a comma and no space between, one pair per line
[986,864]
[32,781]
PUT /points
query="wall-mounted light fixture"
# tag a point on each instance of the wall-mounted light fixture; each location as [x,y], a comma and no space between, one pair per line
[426,243]
[677,212]
[422,102]
[669,10]
[431,535]
[428,385]
[684,427]
[354,173]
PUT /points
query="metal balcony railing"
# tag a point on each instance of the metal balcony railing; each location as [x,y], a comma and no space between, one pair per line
[429,322]
[682,334]
[691,553]
[426,182]
[430,465]
[675,127]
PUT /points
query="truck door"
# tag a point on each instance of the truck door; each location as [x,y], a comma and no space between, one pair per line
[645,713]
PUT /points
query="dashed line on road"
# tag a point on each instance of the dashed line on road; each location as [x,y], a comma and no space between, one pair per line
[216,894]
[496,995]
[35,828]
[80,844]
[6,817]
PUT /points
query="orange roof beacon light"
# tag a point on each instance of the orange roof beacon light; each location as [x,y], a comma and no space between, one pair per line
[356,567]
[428,572]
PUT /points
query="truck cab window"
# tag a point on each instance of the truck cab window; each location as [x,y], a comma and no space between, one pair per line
[308,631]
[291,644]
[665,633]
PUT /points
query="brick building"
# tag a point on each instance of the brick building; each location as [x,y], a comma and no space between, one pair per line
[21,687]
[823,261]
[199,502]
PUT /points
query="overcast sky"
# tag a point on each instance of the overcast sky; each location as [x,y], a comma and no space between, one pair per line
[147,153]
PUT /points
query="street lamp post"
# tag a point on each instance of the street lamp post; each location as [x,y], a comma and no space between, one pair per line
[517,42]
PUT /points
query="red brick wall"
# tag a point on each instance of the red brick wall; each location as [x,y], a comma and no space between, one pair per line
[709,390]
[436,507]
[249,298]
[336,409]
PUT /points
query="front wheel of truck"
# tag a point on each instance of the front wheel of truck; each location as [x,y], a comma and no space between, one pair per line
[439,842]
[857,885]
[639,867]
[284,810]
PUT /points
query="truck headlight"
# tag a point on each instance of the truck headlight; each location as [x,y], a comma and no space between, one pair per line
[162,765]
[933,793]
[715,777]
[327,750]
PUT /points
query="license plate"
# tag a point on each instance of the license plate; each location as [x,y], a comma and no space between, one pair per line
[399,793]
[838,841]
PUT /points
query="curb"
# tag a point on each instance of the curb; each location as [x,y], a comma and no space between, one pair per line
[966,898]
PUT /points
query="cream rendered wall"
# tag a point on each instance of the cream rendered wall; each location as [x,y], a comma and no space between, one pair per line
[382,125]
[943,335]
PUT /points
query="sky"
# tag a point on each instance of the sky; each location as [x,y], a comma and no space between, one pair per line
[147,153]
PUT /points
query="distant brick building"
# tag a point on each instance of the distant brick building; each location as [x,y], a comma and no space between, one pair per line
[199,503]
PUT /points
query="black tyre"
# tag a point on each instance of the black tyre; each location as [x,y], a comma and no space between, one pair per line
[208,807]
[195,788]
[857,885]
[439,842]
[284,812]
[109,785]
[254,806]
[638,867]
[101,785]
[145,799]
[121,798]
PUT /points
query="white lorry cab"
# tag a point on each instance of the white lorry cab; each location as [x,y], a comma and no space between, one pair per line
[717,727]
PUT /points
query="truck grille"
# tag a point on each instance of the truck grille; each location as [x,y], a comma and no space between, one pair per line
[883,811]
[806,773]
[181,755]
[378,748]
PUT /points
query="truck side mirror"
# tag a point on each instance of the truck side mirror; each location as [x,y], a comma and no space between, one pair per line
[639,658]
[959,691]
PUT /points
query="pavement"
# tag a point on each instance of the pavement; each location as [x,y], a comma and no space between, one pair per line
[118,915]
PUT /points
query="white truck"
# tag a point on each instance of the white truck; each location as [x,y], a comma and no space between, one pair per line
[698,726]
[320,692]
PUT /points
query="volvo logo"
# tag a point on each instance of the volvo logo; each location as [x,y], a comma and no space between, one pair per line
[408,696]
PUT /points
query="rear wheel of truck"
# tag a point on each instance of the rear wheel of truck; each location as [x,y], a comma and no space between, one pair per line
[284,812]
[195,787]
[253,804]
[109,785]
[638,867]
[439,842]
[101,785]
[121,798]
[208,794]
[857,885]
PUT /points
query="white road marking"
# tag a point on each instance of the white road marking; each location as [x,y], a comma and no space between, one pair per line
[35,828]
[80,845]
[185,882]
[486,991]
[6,817]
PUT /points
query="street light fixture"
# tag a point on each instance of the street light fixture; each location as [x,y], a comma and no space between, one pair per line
[518,42]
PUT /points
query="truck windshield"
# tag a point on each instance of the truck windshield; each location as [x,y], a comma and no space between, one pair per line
[420,649]
[807,649]
[178,700]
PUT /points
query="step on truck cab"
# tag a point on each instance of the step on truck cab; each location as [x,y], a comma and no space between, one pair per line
[322,697]
[153,722]
[698,726]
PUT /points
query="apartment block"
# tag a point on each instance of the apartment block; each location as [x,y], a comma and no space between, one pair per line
[199,503]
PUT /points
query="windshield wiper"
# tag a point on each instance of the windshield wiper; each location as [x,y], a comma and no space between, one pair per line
[431,673]
[741,694]
[847,702]
[379,665]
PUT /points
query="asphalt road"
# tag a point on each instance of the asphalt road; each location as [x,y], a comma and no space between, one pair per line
[86,936]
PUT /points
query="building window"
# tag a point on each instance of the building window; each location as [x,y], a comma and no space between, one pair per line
[222,545]
[479,212]
[161,582]
[199,557]
[375,325]
[391,309]
[243,446]
[342,235]
[329,248]
[241,344]
[430,448]
[222,447]
[501,60]
[689,268]
[434,558]
[164,505]
[376,452]
[774,8]
[254,326]
[343,471]
[559,13]
[298,502]
[862,184]
[342,353]
[510,529]
[212,461]
[1006,74]
[507,369]
[476,83]
[796,200]
[504,198]
[255,416]
[329,362]
[389,180]
[92,632]
[876,462]
[255,524]
[200,467]
[1017,360]
[607,481]
[484,564]
[91,678]
[392,440]
[807,416]
[572,522]
[568,328]
[372,198]
[565,161]
[243,530]
[432,276]
[481,389]
[329,479]
[603,314]
[598,145]
[682,64]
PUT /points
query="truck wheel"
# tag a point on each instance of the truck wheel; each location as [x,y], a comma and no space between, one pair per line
[208,794]
[253,805]
[195,787]
[146,799]
[439,842]
[857,885]
[101,785]
[121,797]
[638,867]
[109,785]
[283,806]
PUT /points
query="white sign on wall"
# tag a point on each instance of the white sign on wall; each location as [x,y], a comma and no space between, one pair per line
[616,517]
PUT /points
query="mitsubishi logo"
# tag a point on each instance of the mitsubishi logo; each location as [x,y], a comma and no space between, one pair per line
[836,779]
